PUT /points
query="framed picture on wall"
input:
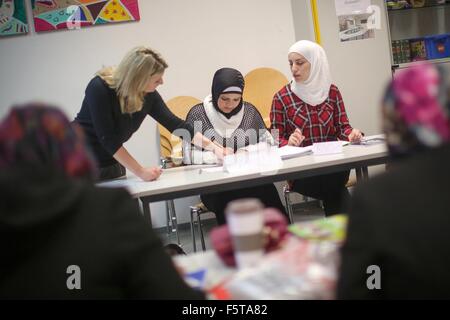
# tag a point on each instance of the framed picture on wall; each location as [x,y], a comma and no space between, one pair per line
[50,15]
[13,18]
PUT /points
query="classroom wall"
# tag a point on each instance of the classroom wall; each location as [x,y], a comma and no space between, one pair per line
[195,37]
[360,68]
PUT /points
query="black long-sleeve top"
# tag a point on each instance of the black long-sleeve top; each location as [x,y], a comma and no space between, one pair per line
[106,128]
[399,223]
[49,222]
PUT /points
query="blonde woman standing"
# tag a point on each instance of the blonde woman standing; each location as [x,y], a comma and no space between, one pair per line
[116,102]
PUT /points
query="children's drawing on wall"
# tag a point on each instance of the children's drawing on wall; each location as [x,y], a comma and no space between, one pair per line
[358,19]
[75,14]
[13,18]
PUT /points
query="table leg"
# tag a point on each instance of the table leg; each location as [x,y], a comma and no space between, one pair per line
[362,174]
[359,176]
[365,172]
[146,211]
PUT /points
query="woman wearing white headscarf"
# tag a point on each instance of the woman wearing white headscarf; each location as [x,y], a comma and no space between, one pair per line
[310,109]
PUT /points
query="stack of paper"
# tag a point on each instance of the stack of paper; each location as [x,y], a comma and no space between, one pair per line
[370,140]
[263,158]
[329,147]
[288,152]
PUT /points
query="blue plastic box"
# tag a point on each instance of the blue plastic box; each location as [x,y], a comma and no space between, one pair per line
[438,47]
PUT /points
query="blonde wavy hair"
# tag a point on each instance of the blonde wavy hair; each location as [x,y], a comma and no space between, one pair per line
[131,77]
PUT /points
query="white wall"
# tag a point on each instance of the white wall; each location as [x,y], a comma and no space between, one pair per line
[196,37]
[303,20]
[361,68]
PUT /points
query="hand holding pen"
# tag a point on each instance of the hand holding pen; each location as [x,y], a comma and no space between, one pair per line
[355,136]
[296,138]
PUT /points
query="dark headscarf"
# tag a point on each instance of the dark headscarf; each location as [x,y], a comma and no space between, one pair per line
[227,80]
[39,136]
[416,110]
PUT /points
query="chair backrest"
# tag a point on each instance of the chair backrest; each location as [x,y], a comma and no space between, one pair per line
[261,84]
[171,146]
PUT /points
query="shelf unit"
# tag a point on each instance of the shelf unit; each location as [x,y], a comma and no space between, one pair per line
[414,24]
[409,64]
[419,8]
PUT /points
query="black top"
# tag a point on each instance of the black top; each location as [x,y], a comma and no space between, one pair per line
[48,223]
[400,221]
[251,120]
[107,128]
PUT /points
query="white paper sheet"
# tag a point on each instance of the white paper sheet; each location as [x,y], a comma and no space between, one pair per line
[288,152]
[330,147]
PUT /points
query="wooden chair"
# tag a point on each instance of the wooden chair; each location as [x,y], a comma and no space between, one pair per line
[171,152]
[261,85]
[289,205]
[171,146]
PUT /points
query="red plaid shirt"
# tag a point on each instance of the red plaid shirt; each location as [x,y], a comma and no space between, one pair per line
[327,121]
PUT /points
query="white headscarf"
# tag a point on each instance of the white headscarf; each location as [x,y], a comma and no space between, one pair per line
[223,125]
[316,88]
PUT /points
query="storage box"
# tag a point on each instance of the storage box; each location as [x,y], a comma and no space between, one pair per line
[405,50]
[418,50]
[438,47]
[396,51]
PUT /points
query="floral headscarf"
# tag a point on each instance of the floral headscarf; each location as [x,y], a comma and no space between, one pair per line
[41,136]
[416,110]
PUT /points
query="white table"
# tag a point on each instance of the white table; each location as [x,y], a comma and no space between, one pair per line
[189,180]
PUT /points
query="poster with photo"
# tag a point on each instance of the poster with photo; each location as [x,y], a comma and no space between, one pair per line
[355,19]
